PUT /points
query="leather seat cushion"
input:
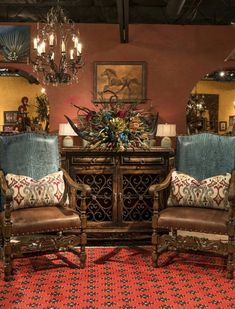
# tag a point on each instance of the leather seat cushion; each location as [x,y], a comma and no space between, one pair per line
[43,219]
[194,219]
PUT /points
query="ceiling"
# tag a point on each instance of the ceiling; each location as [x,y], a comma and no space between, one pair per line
[124,12]
[209,12]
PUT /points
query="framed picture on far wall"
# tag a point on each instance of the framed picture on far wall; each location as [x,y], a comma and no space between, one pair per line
[222,125]
[123,81]
[10,117]
[14,43]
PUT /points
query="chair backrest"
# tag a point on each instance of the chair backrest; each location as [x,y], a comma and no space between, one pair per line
[30,154]
[205,155]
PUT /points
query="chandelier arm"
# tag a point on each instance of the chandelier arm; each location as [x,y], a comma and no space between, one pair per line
[58,49]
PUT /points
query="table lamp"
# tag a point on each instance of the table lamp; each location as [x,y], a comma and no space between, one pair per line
[166,131]
[66,130]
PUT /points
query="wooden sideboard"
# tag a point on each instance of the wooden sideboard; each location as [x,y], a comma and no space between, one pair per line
[120,205]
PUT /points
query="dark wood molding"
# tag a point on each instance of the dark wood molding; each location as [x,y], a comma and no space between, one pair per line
[123,19]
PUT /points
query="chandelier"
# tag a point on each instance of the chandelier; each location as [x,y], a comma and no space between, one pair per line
[58,49]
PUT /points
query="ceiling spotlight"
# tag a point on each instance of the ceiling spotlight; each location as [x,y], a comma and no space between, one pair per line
[222,73]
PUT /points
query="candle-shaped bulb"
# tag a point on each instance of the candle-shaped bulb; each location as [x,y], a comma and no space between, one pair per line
[39,49]
[35,43]
[52,56]
[71,54]
[79,49]
[51,39]
[62,46]
[75,42]
[43,47]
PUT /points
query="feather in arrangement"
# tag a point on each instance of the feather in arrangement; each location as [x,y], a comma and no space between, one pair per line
[115,126]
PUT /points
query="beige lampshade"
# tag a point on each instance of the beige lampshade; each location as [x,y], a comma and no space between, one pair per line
[66,130]
[166,131]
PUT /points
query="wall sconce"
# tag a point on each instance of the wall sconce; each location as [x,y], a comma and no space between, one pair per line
[166,131]
[66,130]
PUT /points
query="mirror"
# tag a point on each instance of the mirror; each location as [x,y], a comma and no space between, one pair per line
[211,106]
[24,105]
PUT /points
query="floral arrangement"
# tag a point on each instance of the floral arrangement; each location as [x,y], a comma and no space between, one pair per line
[115,125]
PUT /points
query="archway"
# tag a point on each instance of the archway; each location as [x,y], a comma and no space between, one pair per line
[211,106]
[23,103]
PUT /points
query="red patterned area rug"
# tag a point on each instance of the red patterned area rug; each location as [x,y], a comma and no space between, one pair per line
[120,278]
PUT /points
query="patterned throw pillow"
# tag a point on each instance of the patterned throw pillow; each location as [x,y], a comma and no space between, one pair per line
[209,193]
[28,192]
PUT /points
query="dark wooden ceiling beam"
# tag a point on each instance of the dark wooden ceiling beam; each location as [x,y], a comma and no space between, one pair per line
[123,19]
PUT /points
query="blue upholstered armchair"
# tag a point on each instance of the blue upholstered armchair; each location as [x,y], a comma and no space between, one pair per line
[198,196]
[38,199]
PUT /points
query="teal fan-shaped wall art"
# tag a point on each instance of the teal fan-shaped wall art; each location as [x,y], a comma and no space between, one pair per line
[14,44]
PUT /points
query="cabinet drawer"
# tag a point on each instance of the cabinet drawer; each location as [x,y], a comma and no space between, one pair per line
[92,160]
[143,160]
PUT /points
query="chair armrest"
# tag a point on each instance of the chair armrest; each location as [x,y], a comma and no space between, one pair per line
[231,192]
[72,188]
[83,188]
[162,185]
[8,194]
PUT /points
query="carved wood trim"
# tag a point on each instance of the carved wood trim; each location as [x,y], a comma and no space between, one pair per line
[192,243]
[37,243]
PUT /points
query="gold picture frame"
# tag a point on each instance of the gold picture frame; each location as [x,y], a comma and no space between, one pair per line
[222,125]
[10,117]
[124,81]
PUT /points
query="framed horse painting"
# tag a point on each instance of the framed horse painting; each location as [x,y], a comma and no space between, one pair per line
[121,81]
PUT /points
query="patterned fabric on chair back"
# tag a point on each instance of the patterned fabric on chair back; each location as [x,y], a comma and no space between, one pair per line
[205,155]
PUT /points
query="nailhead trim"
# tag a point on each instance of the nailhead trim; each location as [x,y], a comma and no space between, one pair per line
[46,231]
[192,230]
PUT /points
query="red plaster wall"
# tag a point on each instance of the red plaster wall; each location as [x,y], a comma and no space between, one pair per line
[177,57]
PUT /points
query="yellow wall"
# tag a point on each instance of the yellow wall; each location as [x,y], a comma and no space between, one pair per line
[12,89]
[226,92]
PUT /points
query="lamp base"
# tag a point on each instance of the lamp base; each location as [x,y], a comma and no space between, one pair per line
[166,142]
[68,141]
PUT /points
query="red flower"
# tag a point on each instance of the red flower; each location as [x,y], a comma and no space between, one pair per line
[121,114]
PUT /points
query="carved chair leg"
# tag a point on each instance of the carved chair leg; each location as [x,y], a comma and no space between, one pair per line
[230,260]
[7,259]
[155,253]
[82,250]
[82,257]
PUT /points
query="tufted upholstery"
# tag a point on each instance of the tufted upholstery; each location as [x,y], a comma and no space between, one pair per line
[200,156]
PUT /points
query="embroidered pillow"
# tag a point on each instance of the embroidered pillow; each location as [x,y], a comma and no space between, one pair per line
[28,192]
[209,193]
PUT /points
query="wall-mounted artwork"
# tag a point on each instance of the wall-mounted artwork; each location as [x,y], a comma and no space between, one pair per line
[14,43]
[222,125]
[10,117]
[232,120]
[125,80]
